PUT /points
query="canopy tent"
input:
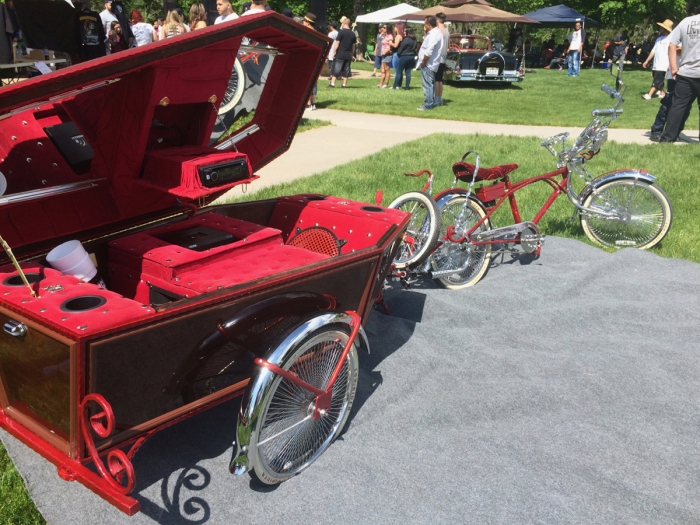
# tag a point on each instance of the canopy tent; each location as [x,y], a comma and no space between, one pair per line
[455,3]
[560,16]
[563,16]
[390,14]
[472,12]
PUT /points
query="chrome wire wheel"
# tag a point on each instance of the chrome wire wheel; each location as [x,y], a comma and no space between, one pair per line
[422,230]
[288,438]
[451,256]
[643,210]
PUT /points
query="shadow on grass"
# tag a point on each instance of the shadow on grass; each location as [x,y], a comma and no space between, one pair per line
[501,86]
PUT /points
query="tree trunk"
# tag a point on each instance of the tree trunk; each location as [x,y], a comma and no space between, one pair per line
[358,8]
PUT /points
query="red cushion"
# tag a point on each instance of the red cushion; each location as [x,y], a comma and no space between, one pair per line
[464,171]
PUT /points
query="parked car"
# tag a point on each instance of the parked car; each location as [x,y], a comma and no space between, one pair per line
[471,58]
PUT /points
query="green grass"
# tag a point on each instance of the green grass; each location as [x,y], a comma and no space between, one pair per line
[16,507]
[544,98]
[675,167]
[307,124]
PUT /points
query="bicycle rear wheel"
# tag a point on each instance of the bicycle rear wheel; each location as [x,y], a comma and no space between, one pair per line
[451,256]
[645,211]
[423,229]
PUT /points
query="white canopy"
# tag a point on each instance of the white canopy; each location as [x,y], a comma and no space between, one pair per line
[390,14]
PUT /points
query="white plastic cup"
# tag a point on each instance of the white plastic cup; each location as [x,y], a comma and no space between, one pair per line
[72,259]
[3,184]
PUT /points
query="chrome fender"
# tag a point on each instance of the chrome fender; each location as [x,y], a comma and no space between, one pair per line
[261,382]
[623,174]
[442,198]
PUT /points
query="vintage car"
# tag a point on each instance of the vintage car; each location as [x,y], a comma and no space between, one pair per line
[471,58]
[129,302]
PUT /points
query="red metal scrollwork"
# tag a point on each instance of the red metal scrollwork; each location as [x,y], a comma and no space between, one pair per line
[118,472]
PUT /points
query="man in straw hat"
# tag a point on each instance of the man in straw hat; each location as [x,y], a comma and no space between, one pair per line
[686,73]
[660,56]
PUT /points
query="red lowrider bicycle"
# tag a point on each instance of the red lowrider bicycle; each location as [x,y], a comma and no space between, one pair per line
[129,303]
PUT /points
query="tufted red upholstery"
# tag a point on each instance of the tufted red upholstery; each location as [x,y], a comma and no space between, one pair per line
[464,171]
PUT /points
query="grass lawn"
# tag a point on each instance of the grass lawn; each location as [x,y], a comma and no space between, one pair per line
[675,167]
[544,98]
[16,507]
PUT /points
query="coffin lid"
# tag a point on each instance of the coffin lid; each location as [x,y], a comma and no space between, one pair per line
[120,102]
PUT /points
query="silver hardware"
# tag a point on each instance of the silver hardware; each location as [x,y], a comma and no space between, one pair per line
[53,288]
[15,329]
[46,192]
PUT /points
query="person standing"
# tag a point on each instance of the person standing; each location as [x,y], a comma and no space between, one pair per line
[107,17]
[256,7]
[399,34]
[387,56]
[198,16]
[429,59]
[343,49]
[685,72]
[621,43]
[575,46]
[332,34]
[309,21]
[378,50]
[445,33]
[660,55]
[143,32]
[407,59]
[223,7]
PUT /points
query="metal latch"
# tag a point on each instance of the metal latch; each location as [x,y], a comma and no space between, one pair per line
[15,328]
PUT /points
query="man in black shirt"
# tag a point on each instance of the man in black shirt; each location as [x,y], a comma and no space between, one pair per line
[90,32]
[344,47]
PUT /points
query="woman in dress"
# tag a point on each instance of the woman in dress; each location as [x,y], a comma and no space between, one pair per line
[386,57]
[198,17]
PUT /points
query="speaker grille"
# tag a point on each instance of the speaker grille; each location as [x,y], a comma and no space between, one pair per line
[317,239]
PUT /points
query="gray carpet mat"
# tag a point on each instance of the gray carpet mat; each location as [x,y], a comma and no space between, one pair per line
[559,390]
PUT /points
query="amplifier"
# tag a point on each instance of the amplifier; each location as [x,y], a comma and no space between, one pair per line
[215,175]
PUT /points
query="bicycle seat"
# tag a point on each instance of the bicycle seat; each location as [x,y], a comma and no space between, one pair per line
[464,171]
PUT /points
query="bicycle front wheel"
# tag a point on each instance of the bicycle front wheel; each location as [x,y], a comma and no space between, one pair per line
[644,215]
[450,256]
[289,439]
[422,232]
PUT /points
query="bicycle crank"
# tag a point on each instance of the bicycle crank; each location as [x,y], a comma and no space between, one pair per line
[530,237]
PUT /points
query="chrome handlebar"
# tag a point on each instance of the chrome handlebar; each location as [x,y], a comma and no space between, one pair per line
[607,112]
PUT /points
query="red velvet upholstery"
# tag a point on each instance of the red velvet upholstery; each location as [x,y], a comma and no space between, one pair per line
[145,253]
[115,312]
[176,170]
[464,171]
[178,83]
[355,227]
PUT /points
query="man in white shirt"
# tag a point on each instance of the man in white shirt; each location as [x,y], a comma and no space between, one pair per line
[108,17]
[440,17]
[332,34]
[223,7]
[686,73]
[660,64]
[429,60]
[575,48]
[256,7]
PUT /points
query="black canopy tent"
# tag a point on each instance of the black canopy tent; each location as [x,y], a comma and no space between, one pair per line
[563,16]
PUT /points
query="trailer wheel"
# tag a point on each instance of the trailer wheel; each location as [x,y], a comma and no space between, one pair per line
[285,438]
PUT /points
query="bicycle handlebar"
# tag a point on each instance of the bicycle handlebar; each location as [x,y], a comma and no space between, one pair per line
[606,112]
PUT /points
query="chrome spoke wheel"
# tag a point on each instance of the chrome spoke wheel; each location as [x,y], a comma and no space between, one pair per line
[422,231]
[451,256]
[641,215]
[288,437]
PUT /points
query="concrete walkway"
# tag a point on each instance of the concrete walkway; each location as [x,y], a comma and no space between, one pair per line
[355,135]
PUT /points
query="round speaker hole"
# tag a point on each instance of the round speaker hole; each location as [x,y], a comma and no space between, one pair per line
[373,209]
[16,280]
[83,303]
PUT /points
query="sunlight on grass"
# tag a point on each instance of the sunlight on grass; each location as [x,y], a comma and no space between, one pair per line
[675,167]
[16,507]
[544,98]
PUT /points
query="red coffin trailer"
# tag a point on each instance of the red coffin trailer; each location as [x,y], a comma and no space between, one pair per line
[192,304]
